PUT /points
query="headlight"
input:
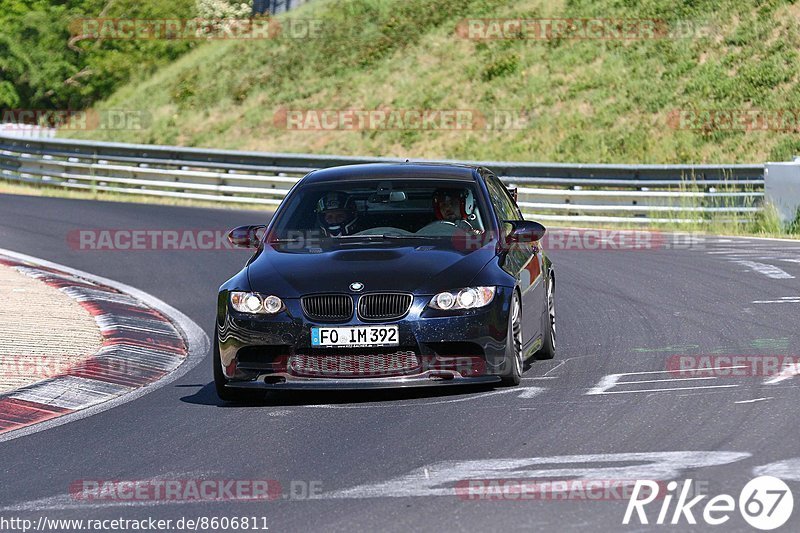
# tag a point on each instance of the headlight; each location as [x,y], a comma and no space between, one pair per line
[254,303]
[468,298]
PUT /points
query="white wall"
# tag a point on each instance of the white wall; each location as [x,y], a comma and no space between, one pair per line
[27,130]
[782,187]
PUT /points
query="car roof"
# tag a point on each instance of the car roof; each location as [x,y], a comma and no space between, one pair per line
[370,171]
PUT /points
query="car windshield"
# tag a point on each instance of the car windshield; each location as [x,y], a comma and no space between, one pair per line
[381,210]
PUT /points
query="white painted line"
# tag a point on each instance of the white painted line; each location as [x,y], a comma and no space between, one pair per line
[663,380]
[782,300]
[668,390]
[775,239]
[754,400]
[196,340]
[771,271]
[443,477]
[788,469]
[612,380]
[606,383]
[68,501]
[678,370]
[789,371]
[530,392]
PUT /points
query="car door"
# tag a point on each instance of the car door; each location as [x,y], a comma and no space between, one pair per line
[523,260]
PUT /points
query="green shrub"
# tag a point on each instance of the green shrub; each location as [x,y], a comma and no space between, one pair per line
[43,67]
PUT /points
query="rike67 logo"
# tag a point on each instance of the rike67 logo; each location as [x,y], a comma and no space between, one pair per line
[765,503]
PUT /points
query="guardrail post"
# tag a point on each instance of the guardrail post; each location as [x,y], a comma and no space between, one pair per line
[782,187]
[93,162]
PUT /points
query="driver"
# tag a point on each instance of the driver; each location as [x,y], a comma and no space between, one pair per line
[456,206]
[336,214]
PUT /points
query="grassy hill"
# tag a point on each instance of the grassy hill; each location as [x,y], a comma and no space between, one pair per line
[586,100]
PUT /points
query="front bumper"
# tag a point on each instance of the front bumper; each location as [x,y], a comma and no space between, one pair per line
[286,381]
[455,348]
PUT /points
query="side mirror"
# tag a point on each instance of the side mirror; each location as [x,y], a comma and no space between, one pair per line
[245,236]
[525,231]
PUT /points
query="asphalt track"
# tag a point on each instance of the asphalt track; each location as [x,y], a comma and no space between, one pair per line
[381,458]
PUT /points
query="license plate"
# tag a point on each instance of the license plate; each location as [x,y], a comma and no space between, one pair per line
[356,336]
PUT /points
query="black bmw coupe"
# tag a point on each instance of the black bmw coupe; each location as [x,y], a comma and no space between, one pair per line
[386,275]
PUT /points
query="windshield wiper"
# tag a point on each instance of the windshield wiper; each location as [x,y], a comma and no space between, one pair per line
[358,237]
[382,237]
[412,236]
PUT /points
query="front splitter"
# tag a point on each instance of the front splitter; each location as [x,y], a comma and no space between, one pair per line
[290,382]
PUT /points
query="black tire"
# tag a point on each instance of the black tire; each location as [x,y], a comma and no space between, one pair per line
[548,349]
[514,359]
[225,394]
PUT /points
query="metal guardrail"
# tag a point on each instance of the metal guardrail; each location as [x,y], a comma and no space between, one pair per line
[547,191]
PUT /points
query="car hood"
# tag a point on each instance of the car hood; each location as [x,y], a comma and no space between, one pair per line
[417,269]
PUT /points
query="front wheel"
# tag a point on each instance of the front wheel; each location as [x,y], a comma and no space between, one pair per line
[548,349]
[514,359]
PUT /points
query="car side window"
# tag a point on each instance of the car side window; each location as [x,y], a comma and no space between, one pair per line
[501,200]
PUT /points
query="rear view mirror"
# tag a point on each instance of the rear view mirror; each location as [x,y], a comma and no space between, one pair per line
[387,196]
[245,236]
